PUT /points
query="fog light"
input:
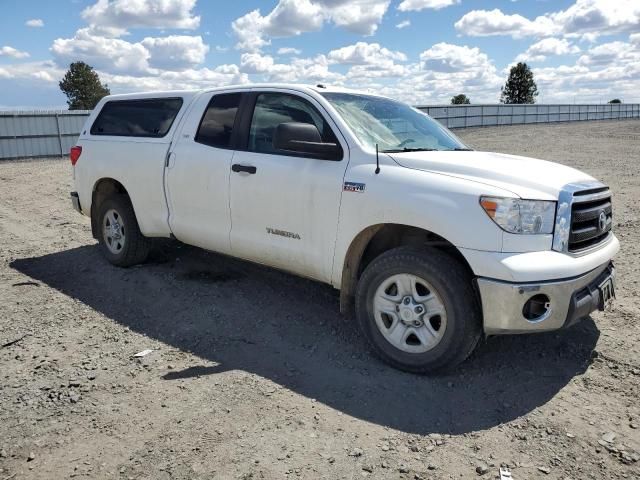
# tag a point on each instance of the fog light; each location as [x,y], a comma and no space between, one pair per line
[537,308]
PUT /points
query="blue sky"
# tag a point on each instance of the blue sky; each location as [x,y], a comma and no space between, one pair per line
[421,51]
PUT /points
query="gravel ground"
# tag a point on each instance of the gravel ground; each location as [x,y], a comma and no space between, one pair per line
[254,374]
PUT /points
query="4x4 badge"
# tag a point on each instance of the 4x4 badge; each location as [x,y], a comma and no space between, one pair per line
[353,187]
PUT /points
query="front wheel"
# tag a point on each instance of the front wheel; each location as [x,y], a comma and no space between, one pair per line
[418,309]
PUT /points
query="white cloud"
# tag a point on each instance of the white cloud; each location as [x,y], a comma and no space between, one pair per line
[293,17]
[599,16]
[358,16]
[188,79]
[289,51]
[102,53]
[585,17]
[539,51]
[308,70]
[403,24]
[288,18]
[484,23]
[608,54]
[447,69]
[359,75]
[119,15]
[445,57]
[603,72]
[34,22]
[46,72]
[369,60]
[417,5]
[258,63]
[175,52]
[363,53]
[8,51]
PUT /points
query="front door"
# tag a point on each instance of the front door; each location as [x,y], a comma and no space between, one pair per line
[284,208]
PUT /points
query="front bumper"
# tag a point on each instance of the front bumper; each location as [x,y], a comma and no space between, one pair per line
[75,201]
[569,301]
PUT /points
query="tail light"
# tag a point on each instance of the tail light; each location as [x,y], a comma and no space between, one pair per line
[74,154]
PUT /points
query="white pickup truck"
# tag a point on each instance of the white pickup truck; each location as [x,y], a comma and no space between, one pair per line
[433,243]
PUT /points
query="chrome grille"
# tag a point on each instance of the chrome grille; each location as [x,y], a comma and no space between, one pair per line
[584,217]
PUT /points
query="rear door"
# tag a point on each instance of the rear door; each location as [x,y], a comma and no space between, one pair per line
[284,208]
[198,169]
[128,141]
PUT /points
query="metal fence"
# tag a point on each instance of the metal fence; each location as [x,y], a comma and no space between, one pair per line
[39,133]
[32,134]
[462,116]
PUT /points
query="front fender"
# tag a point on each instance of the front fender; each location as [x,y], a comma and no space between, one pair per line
[444,205]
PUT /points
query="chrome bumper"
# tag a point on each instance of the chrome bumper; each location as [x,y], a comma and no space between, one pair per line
[569,301]
[75,201]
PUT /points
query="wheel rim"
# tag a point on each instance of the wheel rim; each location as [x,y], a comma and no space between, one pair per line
[113,231]
[409,313]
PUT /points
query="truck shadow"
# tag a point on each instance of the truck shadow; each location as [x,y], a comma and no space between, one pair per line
[289,330]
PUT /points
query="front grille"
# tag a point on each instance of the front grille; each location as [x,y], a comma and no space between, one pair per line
[591,218]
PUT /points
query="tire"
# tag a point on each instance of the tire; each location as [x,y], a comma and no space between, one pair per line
[132,247]
[447,330]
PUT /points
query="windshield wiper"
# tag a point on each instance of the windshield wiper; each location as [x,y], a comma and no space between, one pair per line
[461,150]
[406,149]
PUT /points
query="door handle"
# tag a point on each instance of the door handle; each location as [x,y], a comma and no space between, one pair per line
[171,159]
[236,167]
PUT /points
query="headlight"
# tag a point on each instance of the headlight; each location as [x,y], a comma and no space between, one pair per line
[515,215]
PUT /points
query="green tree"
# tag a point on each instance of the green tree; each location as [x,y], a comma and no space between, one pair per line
[520,86]
[82,87]
[461,99]
[615,100]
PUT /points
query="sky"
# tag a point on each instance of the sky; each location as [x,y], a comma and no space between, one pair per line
[419,51]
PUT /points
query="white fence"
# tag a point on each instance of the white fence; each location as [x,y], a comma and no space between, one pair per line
[33,134]
[39,133]
[462,116]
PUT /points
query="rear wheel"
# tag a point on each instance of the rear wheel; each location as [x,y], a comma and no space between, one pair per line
[418,310]
[120,239]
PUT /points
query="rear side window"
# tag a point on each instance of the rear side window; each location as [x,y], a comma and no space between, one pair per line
[217,122]
[151,117]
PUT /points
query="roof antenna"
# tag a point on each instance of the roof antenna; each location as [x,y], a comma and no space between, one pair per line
[377,161]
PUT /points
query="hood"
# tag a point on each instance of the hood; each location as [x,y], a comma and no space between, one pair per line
[528,178]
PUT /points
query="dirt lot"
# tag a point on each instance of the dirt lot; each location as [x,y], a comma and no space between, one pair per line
[254,374]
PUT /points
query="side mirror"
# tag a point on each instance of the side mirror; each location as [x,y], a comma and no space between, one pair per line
[304,139]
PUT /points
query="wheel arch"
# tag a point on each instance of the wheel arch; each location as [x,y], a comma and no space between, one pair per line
[102,189]
[377,239]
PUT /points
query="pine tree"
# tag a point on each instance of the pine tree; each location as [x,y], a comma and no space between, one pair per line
[82,87]
[520,86]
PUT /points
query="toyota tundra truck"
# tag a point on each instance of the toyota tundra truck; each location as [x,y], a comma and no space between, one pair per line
[432,245]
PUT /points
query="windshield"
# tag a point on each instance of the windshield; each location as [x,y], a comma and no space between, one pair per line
[393,126]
